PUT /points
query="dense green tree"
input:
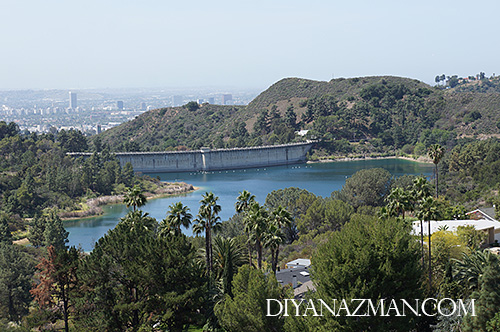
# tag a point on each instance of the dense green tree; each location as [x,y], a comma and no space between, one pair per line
[291,118]
[261,126]
[294,200]
[192,106]
[324,215]
[488,300]
[366,187]
[16,272]
[246,310]
[54,233]
[369,259]
[8,129]
[134,280]
[5,234]
[128,174]
[72,140]
[37,228]
[494,324]
[48,229]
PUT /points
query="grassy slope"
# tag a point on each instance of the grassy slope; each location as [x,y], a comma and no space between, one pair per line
[154,128]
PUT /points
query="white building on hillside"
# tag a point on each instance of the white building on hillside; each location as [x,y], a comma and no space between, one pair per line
[491,227]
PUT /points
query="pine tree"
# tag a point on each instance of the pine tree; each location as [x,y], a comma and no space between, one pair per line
[55,234]
[246,311]
[37,229]
[16,271]
[57,281]
[5,235]
[488,300]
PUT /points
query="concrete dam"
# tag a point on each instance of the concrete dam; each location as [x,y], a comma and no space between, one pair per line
[207,159]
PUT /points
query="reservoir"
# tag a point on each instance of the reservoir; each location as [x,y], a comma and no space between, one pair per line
[318,178]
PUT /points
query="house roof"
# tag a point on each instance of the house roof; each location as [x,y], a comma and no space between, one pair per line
[483,213]
[285,276]
[453,224]
[299,262]
[299,291]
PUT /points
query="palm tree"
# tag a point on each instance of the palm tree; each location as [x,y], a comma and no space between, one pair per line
[418,194]
[282,218]
[427,212]
[243,202]
[256,222]
[138,219]
[469,270]
[436,153]
[134,197]
[272,239]
[208,221]
[398,202]
[228,256]
[177,216]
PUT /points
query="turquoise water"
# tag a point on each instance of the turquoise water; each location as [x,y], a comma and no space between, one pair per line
[320,179]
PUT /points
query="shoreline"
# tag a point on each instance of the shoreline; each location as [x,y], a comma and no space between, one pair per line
[95,204]
[420,159]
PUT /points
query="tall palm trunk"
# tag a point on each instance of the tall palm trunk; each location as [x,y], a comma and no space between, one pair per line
[437,180]
[249,253]
[430,257]
[276,258]
[273,264]
[422,241]
[259,254]
[210,248]
[207,251]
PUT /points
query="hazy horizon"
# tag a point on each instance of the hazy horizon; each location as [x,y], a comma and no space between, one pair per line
[224,44]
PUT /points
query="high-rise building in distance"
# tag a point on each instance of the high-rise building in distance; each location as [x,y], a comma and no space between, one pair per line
[72,100]
[178,100]
[226,98]
[119,104]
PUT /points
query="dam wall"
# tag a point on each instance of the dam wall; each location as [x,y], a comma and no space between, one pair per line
[212,160]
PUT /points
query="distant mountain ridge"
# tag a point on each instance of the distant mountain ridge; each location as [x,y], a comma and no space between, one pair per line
[395,110]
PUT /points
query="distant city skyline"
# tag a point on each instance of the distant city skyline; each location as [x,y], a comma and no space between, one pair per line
[249,45]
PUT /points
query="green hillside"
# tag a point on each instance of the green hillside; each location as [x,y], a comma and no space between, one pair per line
[340,88]
[385,113]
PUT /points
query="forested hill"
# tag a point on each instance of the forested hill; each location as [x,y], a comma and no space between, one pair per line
[341,88]
[385,113]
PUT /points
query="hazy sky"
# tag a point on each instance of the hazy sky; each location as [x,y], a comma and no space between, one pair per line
[246,44]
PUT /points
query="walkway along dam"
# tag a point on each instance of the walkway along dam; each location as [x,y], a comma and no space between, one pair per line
[206,159]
